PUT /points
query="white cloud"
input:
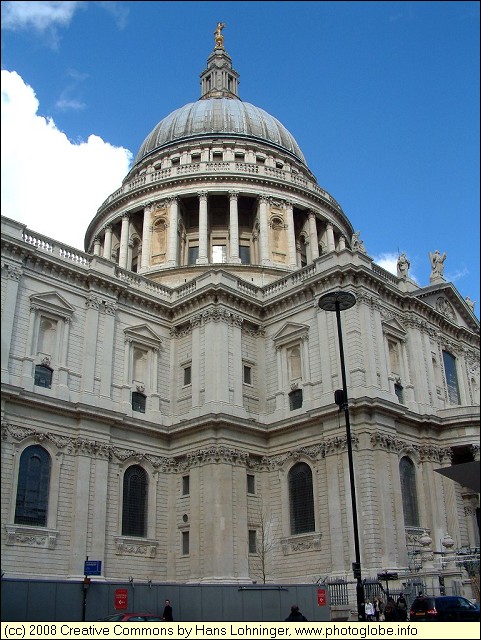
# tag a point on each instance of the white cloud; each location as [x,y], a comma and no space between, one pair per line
[49,183]
[387,261]
[39,16]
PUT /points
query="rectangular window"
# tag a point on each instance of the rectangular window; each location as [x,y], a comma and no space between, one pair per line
[247,374]
[251,483]
[43,376]
[244,254]
[187,376]
[219,253]
[252,541]
[295,399]
[192,254]
[451,377]
[138,402]
[185,485]
[398,390]
[185,543]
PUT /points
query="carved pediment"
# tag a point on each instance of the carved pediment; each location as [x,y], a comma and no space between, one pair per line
[143,334]
[290,332]
[52,302]
[394,328]
[448,302]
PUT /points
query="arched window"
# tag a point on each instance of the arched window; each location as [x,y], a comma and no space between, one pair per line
[134,504]
[301,499]
[33,487]
[407,475]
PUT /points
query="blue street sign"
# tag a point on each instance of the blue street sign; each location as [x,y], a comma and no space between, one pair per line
[92,567]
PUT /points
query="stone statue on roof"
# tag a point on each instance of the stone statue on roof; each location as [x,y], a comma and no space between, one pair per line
[403,265]
[437,265]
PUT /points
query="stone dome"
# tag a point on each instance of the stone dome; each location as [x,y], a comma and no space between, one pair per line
[219,116]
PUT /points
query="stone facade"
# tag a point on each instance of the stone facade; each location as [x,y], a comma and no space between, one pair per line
[187,341]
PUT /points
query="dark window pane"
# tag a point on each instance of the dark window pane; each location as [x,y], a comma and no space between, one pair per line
[33,486]
[407,474]
[134,502]
[244,254]
[192,255]
[187,375]
[295,399]
[252,541]
[43,376]
[138,402]
[247,375]
[398,390]
[251,484]
[185,543]
[185,485]
[301,498]
[451,377]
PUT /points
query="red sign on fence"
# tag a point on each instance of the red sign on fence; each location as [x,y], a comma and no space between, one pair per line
[120,599]
[321,597]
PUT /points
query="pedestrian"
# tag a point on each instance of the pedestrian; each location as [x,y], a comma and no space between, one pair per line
[295,615]
[390,610]
[377,608]
[167,615]
[369,610]
[402,607]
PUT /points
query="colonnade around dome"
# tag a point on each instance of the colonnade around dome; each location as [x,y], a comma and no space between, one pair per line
[214,228]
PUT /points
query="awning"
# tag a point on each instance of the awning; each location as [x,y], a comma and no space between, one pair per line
[465,473]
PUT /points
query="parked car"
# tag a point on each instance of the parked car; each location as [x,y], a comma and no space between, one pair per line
[443,609]
[132,617]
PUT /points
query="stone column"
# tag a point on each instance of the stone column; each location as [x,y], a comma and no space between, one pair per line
[263,232]
[8,317]
[408,385]
[233,228]
[369,356]
[130,253]
[108,242]
[313,240]
[217,362]
[203,231]
[381,349]
[291,236]
[80,508]
[323,334]
[96,246]
[99,507]
[416,361]
[331,245]
[280,379]
[196,381]
[124,242]
[173,242]
[28,360]
[237,373]
[430,378]
[450,501]
[146,238]
[342,243]
[62,361]
[108,349]
[89,352]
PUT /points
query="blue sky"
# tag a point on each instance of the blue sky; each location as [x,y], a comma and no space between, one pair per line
[382,97]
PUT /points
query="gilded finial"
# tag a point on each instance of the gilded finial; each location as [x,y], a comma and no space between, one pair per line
[219,38]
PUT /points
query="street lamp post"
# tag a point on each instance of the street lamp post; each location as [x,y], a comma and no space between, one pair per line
[339,301]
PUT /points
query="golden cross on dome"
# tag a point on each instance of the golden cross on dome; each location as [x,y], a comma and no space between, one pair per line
[219,38]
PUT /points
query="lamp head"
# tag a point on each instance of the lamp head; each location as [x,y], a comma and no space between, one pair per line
[342,299]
